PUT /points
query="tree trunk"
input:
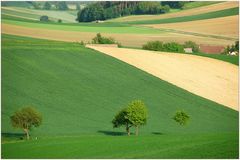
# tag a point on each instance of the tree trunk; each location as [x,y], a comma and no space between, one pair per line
[136,131]
[27,133]
[128,129]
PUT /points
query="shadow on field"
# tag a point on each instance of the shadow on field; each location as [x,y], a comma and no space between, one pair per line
[13,135]
[111,133]
[157,133]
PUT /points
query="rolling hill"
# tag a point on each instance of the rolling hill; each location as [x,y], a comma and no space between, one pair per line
[79,90]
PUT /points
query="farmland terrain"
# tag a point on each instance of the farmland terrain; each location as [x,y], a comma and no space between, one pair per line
[128,31]
[79,88]
[209,78]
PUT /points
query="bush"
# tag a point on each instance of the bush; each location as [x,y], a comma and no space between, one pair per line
[44,19]
[59,21]
[103,40]
[167,47]
[193,45]
[181,117]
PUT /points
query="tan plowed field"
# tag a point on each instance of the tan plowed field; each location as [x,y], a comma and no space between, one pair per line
[212,79]
[189,12]
[133,40]
[224,26]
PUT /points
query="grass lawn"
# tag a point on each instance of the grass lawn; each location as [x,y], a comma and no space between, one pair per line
[215,14]
[79,90]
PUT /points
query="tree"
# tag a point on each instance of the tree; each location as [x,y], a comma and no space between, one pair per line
[47,6]
[135,114]
[181,117]
[44,18]
[26,118]
[121,119]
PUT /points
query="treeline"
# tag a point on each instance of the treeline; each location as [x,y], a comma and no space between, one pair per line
[54,5]
[113,9]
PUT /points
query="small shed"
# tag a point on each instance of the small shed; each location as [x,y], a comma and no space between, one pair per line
[188,50]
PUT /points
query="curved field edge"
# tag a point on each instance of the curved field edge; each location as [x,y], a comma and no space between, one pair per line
[152,146]
[221,57]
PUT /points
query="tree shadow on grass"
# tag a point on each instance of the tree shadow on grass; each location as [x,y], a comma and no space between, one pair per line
[157,133]
[13,135]
[112,133]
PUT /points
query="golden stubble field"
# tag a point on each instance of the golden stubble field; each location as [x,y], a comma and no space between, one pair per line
[212,79]
[131,40]
[224,26]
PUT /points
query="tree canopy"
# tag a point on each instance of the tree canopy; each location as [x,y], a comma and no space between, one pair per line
[135,114]
[181,117]
[112,9]
[26,118]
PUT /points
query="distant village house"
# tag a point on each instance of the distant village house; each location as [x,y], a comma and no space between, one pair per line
[211,49]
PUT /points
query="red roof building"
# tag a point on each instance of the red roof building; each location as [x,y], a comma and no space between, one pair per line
[211,49]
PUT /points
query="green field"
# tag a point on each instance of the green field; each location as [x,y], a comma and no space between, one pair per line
[106,28]
[109,146]
[65,16]
[79,90]
[209,15]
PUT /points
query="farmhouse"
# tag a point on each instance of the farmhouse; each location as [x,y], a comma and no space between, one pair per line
[211,49]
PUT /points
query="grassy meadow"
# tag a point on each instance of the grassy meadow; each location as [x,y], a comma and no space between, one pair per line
[79,90]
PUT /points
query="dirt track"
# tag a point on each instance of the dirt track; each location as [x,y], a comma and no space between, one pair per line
[194,11]
[212,79]
[133,40]
[224,26]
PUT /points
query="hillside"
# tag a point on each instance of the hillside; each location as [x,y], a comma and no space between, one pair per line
[221,80]
[43,81]
[79,90]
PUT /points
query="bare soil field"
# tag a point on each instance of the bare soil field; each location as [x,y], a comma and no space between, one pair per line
[194,11]
[131,40]
[225,26]
[212,79]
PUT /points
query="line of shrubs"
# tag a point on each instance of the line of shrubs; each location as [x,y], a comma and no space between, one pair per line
[170,46]
[99,39]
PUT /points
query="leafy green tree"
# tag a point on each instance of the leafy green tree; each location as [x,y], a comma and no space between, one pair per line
[135,114]
[26,118]
[121,119]
[181,117]
[47,6]
[191,44]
